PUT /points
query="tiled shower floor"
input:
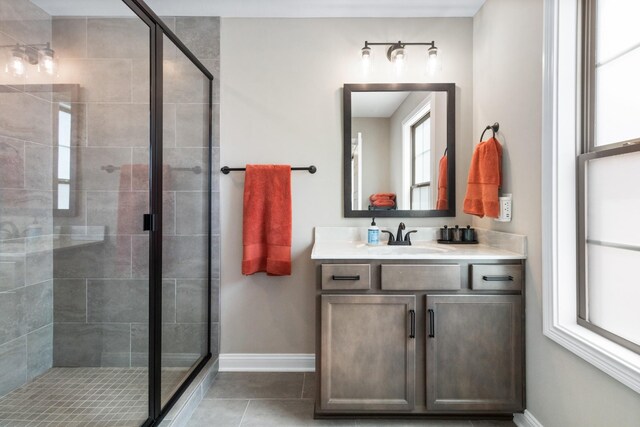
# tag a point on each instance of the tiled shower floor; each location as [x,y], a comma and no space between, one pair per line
[74,397]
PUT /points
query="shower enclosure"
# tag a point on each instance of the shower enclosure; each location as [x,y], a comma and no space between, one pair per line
[105,214]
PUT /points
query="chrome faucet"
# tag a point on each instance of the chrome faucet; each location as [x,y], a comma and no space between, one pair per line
[398,239]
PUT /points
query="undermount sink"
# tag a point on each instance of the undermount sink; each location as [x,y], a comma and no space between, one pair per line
[405,250]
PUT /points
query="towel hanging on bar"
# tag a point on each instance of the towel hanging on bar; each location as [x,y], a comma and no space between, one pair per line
[226,169]
[494,127]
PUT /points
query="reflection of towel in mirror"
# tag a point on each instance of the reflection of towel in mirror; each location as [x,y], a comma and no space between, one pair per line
[12,170]
[383,200]
[442,202]
[383,203]
[485,178]
[133,203]
[376,196]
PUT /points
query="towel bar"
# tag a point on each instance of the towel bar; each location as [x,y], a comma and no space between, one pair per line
[226,169]
[196,169]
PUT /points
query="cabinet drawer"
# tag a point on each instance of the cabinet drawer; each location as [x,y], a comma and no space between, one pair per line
[401,277]
[496,277]
[346,276]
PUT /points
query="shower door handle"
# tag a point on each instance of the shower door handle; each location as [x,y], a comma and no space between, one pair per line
[147,222]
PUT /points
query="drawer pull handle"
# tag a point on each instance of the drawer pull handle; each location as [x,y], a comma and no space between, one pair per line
[497,278]
[412,330]
[432,323]
[356,277]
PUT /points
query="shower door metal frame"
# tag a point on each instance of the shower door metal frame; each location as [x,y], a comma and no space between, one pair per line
[158,29]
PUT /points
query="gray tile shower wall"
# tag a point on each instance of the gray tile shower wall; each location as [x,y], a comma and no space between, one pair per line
[101,291]
[26,287]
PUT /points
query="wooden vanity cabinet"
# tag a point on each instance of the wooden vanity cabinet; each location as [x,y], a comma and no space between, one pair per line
[368,352]
[422,339]
[474,352]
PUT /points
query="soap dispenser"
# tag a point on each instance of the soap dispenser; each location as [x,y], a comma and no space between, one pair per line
[373,233]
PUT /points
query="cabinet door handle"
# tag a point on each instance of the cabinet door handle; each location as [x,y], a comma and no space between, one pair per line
[412,330]
[497,278]
[432,325]
[356,277]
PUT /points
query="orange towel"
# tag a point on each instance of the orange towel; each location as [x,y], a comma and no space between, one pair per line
[485,178]
[442,203]
[383,203]
[378,196]
[266,234]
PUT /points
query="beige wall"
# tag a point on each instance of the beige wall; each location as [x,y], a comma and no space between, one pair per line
[562,389]
[282,103]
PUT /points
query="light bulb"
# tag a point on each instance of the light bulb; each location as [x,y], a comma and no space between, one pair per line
[47,61]
[398,61]
[366,58]
[397,55]
[17,66]
[432,60]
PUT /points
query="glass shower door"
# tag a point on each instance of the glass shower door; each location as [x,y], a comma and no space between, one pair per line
[186,192]
[74,166]
[101,192]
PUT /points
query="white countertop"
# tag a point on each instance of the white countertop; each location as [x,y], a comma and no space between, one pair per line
[348,243]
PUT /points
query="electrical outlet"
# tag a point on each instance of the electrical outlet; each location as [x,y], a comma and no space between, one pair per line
[506,206]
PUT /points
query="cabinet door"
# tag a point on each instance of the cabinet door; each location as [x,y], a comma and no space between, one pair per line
[367,352]
[475,356]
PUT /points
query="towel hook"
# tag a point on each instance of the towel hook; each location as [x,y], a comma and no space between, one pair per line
[494,128]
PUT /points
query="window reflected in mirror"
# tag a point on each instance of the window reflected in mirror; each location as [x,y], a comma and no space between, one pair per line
[65,127]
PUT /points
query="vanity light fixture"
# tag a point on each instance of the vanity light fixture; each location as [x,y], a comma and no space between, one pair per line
[40,55]
[397,54]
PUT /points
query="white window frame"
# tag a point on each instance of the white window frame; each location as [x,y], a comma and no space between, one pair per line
[560,142]
[420,111]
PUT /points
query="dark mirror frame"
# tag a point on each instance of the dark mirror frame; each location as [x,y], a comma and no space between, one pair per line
[450,89]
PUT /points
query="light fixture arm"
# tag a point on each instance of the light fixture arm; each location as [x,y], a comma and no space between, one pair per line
[34,46]
[399,43]
[397,48]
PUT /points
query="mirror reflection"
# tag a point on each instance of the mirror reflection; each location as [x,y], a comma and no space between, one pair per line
[399,152]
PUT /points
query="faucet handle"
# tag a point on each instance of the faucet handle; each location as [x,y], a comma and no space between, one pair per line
[407,238]
[391,238]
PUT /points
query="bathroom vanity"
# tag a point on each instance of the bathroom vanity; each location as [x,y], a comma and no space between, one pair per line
[421,330]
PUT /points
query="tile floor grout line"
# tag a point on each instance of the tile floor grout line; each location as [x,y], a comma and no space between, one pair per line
[246,408]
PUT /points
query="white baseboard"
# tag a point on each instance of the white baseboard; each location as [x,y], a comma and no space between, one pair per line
[526,420]
[269,362]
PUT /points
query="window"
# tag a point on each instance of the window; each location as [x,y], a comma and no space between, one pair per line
[609,173]
[562,145]
[421,164]
[64,158]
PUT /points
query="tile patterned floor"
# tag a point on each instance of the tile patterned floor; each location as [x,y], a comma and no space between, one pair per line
[283,399]
[87,397]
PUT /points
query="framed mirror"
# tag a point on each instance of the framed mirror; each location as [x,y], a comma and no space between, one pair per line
[399,150]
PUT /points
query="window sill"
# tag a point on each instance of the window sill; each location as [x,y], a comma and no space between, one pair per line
[611,358]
